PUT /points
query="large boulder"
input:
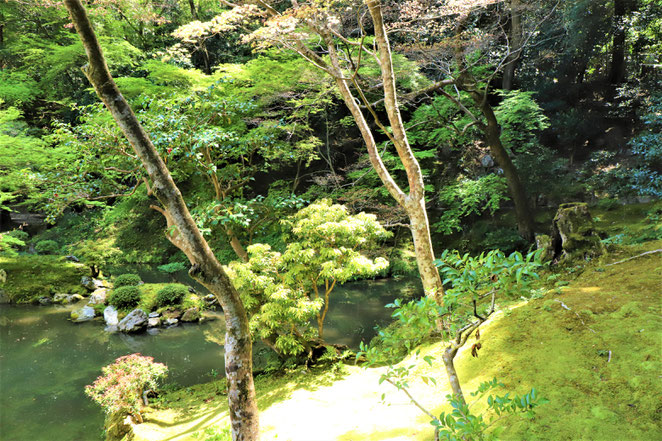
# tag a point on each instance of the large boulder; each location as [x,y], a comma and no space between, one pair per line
[45,301]
[191,315]
[110,316]
[85,314]
[573,233]
[135,321]
[98,297]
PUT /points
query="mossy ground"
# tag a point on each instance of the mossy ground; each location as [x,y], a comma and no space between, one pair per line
[32,276]
[598,363]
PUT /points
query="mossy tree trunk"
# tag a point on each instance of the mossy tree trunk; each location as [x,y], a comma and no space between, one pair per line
[205,267]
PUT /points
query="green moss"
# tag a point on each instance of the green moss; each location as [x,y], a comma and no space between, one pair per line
[30,277]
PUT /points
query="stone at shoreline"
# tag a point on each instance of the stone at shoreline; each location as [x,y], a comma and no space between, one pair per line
[171,322]
[153,322]
[45,301]
[135,321]
[110,316]
[154,314]
[172,314]
[63,299]
[76,297]
[85,314]
[98,297]
[4,298]
[91,284]
[191,315]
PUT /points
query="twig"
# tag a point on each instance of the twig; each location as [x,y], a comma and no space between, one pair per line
[634,257]
[564,306]
[609,358]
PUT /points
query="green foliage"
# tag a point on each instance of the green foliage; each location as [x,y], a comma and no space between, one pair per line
[97,253]
[9,244]
[32,276]
[173,267]
[47,247]
[122,384]
[283,291]
[521,120]
[468,197]
[462,425]
[124,297]
[127,280]
[171,295]
[214,434]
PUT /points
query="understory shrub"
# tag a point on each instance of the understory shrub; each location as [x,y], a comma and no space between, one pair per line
[125,297]
[127,280]
[122,384]
[47,247]
[171,295]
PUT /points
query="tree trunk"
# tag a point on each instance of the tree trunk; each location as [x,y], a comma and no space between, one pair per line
[453,379]
[205,268]
[515,45]
[525,224]
[617,72]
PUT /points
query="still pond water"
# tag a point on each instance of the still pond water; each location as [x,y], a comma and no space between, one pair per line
[46,361]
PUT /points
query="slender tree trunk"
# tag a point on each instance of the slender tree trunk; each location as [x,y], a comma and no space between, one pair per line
[525,224]
[203,44]
[515,45]
[205,268]
[617,72]
[453,379]
[237,247]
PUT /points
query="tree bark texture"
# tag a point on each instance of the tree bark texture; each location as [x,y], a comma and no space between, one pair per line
[205,267]
[515,45]
[617,71]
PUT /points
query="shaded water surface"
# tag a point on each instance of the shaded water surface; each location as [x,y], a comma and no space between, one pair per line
[46,361]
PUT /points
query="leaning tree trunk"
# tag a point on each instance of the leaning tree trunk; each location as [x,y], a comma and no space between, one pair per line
[205,267]
[523,212]
[617,72]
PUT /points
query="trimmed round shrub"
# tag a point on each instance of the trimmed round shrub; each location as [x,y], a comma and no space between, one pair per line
[125,297]
[47,247]
[171,295]
[127,280]
[19,234]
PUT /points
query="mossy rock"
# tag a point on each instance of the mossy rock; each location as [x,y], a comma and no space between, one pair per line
[574,235]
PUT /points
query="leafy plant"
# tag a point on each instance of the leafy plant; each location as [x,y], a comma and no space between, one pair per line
[127,280]
[124,297]
[122,384]
[47,247]
[173,267]
[171,295]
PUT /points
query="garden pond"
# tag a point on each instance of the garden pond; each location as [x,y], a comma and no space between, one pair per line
[46,361]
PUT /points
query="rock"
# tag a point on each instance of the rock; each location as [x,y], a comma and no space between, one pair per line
[88,283]
[191,315]
[172,313]
[85,314]
[4,298]
[192,290]
[153,322]
[91,284]
[135,321]
[154,314]
[487,161]
[72,258]
[98,297]
[544,242]
[110,316]
[63,299]
[119,426]
[45,301]
[573,233]
[171,322]
[76,297]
